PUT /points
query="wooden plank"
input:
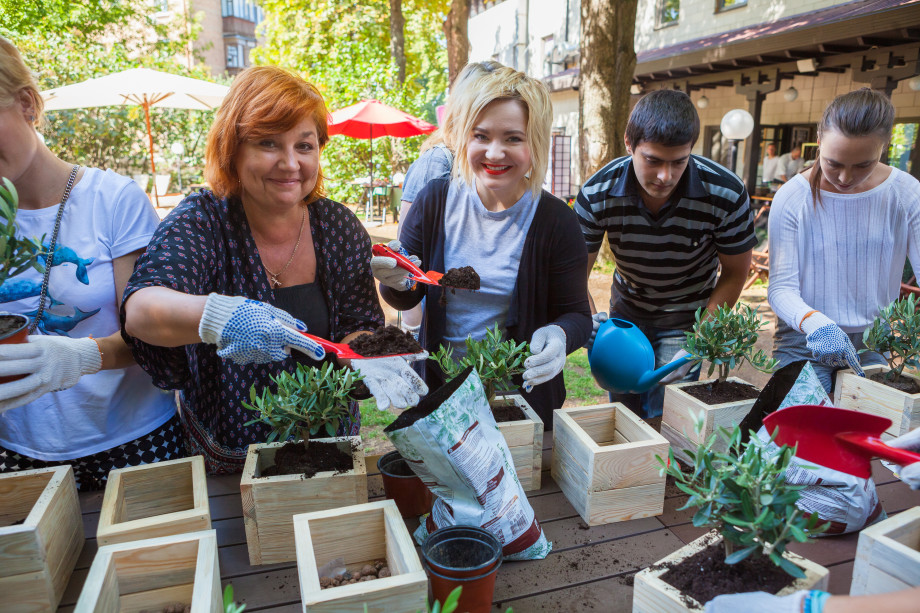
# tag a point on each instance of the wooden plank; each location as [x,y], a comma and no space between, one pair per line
[622,504]
[861,394]
[888,549]
[680,409]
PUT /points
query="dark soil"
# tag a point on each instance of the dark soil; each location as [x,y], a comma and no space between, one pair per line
[172,608]
[705,575]
[368,572]
[430,403]
[294,459]
[386,340]
[900,383]
[11,323]
[461,278]
[460,554]
[399,468]
[717,393]
[505,410]
[18,522]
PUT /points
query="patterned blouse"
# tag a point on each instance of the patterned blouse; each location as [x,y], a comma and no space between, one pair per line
[205,245]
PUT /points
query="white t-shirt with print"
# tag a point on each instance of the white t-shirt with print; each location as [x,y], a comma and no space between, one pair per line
[107,216]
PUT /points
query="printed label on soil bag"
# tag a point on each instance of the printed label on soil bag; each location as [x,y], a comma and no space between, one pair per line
[454,434]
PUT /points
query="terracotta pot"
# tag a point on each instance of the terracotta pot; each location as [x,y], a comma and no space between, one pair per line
[411,496]
[480,555]
[15,337]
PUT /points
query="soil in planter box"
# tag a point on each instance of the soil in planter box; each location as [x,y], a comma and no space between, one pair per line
[173,608]
[507,411]
[705,575]
[726,391]
[368,572]
[294,459]
[900,383]
[460,278]
[386,340]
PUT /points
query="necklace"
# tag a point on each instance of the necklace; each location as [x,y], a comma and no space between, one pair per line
[273,276]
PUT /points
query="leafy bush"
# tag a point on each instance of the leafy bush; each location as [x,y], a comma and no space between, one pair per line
[726,339]
[895,334]
[230,605]
[742,492]
[495,361]
[16,254]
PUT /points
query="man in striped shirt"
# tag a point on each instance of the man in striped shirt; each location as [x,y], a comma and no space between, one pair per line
[671,219]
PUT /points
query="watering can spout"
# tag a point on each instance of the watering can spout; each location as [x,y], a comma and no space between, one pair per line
[652,377]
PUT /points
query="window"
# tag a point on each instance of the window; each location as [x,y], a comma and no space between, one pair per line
[668,12]
[727,5]
[244,9]
[235,56]
[561,166]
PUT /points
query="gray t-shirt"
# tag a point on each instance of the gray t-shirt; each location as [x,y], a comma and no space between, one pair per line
[490,242]
[435,163]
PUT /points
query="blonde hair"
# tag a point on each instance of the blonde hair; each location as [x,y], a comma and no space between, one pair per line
[502,83]
[465,81]
[16,77]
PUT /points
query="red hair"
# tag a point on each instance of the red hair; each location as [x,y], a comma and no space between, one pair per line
[262,101]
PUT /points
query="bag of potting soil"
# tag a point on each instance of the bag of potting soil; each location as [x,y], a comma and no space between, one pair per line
[453,443]
[849,503]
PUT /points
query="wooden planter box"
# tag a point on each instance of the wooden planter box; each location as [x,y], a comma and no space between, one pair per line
[861,394]
[360,534]
[652,595]
[269,503]
[525,441]
[604,462]
[151,500]
[38,555]
[151,574]
[680,409]
[888,555]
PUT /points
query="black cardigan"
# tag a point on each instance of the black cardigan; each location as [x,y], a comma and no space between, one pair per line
[551,287]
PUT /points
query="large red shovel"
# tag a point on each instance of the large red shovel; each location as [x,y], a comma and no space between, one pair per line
[841,439]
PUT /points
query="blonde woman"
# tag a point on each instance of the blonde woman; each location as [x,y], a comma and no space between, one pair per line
[525,243]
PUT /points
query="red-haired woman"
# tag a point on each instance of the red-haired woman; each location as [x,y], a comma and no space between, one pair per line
[233,274]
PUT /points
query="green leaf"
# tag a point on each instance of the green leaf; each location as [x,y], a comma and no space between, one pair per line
[741,554]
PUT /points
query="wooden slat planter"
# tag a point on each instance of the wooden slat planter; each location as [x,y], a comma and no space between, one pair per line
[153,500]
[525,441]
[152,574]
[888,555]
[652,595]
[677,420]
[604,462]
[38,555]
[861,394]
[360,534]
[269,503]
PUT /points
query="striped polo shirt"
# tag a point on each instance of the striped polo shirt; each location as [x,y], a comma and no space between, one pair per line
[666,265]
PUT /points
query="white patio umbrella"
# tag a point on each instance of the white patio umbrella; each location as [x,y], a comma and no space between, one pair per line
[142,86]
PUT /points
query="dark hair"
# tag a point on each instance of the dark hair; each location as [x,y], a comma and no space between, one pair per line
[864,112]
[666,117]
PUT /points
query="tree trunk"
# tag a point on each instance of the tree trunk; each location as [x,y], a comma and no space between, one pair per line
[458,43]
[398,39]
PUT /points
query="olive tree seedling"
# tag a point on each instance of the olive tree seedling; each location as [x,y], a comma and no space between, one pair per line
[895,333]
[726,339]
[494,360]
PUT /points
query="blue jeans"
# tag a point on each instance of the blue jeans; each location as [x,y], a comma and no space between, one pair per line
[665,343]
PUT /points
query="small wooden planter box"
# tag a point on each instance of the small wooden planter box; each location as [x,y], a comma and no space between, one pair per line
[861,394]
[604,462]
[652,595]
[153,500]
[269,503]
[888,555]
[360,534]
[152,574]
[38,555]
[525,441]
[680,409]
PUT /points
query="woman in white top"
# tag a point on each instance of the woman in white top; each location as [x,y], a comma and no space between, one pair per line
[839,236]
[84,401]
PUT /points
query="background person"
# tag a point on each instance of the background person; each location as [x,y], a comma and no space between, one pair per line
[771,165]
[790,164]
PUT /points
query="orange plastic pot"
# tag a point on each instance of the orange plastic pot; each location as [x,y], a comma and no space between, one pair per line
[13,337]
[465,556]
[411,496]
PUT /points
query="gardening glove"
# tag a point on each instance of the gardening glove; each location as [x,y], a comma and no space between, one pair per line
[829,344]
[547,348]
[52,363]
[387,271]
[252,332]
[681,372]
[803,601]
[391,381]
[909,474]
[597,319]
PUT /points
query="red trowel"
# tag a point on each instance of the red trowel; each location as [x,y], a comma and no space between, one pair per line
[841,439]
[431,277]
[343,351]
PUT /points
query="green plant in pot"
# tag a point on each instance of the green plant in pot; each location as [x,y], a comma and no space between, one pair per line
[726,340]
[895,333]
[16,255]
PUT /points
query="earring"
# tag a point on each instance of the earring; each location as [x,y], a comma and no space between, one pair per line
[31,118]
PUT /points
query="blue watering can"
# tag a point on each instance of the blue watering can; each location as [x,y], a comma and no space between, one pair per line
[622,359]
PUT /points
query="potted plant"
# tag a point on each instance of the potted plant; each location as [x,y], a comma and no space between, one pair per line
[306,402]
[726,340]
[497,362]
[888,555]
[742,493]
[889,392]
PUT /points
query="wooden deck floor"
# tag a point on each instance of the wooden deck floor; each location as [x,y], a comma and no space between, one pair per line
[589,569]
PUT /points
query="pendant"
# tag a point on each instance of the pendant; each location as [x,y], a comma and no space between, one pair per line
[273,281]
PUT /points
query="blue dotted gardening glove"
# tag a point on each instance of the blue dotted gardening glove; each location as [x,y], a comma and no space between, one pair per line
[387,271]
[596,320]
[829,344]
[252,332]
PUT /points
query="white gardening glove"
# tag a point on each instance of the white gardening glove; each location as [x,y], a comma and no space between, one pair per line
[681,372]
[829,344]
[252,332]
[547,348]
[596,320]
[391,381]
[909,474]
[803,601]
[52,363]
[387,271]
